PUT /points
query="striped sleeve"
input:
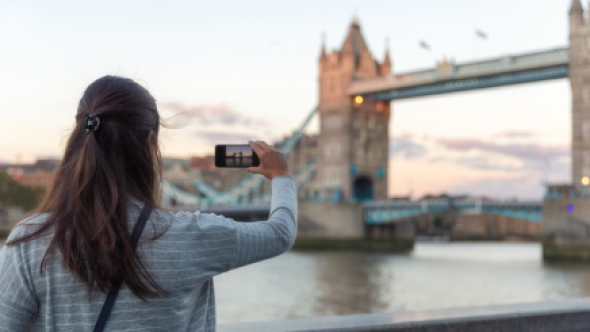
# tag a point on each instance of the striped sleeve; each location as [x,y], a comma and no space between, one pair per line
[261,240]
[18,303]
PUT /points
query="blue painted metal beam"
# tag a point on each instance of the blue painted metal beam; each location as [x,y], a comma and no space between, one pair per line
[466,84]
[391,211]
[388,215]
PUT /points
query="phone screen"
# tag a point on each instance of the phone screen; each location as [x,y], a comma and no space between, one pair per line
[235,156]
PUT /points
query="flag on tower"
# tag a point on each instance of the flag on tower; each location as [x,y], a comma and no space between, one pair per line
[424,45]
[481,34]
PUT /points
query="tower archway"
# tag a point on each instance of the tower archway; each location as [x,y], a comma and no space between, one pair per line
[363,189]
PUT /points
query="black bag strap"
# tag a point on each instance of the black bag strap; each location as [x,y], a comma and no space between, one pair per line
[112,296]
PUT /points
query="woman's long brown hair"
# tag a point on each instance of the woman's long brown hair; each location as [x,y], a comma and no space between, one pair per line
[101,171]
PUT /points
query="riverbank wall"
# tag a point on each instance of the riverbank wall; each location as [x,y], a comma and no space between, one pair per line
[341,226]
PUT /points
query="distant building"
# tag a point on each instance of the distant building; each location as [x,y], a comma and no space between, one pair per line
[207,162]
[38,179]
[38,174]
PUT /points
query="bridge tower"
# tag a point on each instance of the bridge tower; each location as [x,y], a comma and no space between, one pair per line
[353,139]
[579,75]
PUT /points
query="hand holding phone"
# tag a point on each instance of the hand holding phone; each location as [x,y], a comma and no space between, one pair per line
[272,162]
[241,156]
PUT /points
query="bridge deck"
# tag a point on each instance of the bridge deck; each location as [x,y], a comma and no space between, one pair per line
[451,77]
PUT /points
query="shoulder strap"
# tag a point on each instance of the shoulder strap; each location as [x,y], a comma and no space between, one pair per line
[112,296]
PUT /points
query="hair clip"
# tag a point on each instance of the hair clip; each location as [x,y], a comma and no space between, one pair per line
[92,123]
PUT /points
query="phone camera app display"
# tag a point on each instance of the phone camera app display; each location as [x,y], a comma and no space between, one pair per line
[238,156]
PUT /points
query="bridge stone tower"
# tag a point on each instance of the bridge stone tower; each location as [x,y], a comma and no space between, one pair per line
[353,139]
[579,75]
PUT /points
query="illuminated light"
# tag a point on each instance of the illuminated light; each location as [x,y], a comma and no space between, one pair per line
[570,208]
[585,180]
[358,99]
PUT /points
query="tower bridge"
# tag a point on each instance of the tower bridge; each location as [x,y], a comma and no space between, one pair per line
[354,106]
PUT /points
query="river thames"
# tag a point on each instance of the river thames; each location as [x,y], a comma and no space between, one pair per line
[302,284]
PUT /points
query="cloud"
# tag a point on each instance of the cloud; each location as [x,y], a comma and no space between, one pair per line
[521,151]
[515,134]
[486,163]
[405,146]
[208,114]
[527,165]
[525,187]
[226,138]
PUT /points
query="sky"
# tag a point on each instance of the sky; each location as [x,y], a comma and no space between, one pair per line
[248,70]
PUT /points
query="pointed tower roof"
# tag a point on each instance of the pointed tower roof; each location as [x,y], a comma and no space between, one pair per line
[576,7]
[354,42]
[387,60]
[323,53]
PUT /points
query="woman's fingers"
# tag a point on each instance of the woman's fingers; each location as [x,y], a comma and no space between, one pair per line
[264,146]
[272,162]
[256,147]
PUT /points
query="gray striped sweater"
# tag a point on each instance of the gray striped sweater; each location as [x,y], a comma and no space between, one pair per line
[195,248]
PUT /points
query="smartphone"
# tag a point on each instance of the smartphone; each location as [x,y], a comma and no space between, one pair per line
[240,156]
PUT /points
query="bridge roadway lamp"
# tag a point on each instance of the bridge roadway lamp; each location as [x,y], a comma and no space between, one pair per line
[358,99]
[585,180]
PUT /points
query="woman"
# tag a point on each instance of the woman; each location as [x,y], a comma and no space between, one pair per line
[59,264]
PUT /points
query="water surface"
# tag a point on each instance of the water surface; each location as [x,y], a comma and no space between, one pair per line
[434,275]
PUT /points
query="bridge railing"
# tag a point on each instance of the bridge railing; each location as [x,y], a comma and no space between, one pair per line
[569,194]
[454,202]
[387,211]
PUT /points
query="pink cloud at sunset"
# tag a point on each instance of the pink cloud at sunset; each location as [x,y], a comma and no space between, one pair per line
[527,151]
[423,164]
[209,114]
[515,134]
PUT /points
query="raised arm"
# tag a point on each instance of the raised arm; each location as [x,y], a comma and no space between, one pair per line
[260,240]
[264,239]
